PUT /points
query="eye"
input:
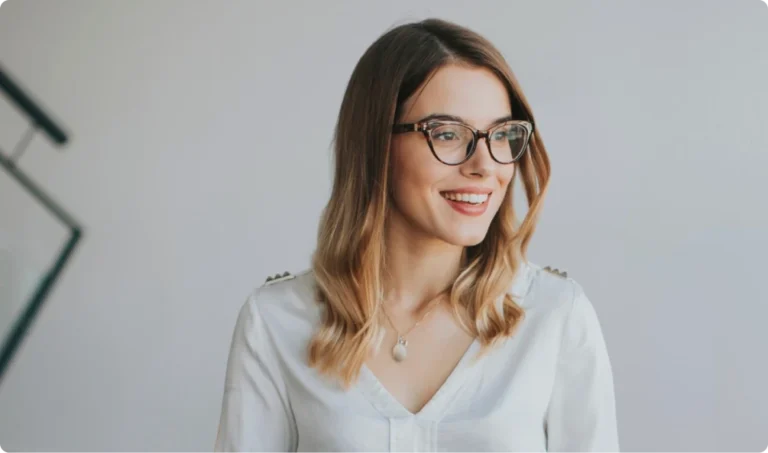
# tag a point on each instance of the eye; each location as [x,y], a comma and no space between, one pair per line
[500,135]
[445,135]
[450,133]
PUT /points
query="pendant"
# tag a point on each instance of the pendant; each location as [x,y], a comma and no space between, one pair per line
[399,352]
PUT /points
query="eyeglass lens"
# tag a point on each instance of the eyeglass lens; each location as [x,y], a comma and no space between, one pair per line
[453,142]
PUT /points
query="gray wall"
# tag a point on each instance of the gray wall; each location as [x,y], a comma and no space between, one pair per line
[194,183]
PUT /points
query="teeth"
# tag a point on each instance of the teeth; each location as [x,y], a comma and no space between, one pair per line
[473,198]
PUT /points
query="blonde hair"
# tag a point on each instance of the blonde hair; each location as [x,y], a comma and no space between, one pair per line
[349,258]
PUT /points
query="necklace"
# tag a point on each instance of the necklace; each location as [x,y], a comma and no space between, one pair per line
[400,350]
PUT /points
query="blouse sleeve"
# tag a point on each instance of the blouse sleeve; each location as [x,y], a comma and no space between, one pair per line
[256,414]
[582,409]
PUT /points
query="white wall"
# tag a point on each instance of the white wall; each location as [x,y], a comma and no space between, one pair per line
[194,185]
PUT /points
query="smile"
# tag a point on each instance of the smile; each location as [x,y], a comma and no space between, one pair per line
[471,204]
[471,198]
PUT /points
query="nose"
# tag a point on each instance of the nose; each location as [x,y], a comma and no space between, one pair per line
[481,164]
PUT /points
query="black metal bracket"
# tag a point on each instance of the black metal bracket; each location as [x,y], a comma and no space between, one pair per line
[39,121]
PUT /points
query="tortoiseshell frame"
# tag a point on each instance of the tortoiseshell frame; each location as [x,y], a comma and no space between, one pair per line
[427,126]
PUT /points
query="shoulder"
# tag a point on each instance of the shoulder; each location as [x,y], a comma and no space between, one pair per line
[277,319]
[283,286]
[535,285]
[549,292]
[272,322]
[284,299]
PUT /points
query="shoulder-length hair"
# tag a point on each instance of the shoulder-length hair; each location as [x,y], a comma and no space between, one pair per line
[348,262]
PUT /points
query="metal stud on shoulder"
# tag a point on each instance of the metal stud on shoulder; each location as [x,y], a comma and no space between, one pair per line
[278,278]
[557,272]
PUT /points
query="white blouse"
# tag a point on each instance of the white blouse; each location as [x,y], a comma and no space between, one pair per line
[548,388]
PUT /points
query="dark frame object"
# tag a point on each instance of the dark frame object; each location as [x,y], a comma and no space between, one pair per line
[427,125]
[39,120]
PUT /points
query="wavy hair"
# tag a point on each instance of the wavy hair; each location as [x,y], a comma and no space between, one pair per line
[348,262]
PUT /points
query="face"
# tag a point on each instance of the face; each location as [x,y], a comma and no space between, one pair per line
[427,194]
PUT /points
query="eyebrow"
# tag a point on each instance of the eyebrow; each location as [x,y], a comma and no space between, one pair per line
[447,117]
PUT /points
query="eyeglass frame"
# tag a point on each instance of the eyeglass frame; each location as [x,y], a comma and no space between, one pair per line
[428,124]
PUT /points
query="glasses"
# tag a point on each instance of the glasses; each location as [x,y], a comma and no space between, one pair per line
[453,142]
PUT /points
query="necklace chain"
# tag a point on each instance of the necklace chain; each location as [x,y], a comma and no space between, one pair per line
[400,350]
[401,336]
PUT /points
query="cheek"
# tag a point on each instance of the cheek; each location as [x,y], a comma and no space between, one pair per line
[506,175]
[504,179]
[415,173]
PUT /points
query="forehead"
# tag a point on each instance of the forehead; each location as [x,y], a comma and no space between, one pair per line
[475,94]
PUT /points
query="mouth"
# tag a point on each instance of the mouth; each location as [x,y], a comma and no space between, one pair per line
[471,204]
[470,198]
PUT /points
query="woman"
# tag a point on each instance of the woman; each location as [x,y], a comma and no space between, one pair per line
[421,326]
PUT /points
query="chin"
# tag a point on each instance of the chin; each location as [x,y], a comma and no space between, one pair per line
[467,238]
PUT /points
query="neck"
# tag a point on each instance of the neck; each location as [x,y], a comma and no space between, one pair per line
[418,268]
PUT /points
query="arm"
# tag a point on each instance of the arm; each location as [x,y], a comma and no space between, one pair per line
[255,413]
[582,409]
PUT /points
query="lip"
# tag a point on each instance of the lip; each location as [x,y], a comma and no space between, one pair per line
[472,210]
[471,189]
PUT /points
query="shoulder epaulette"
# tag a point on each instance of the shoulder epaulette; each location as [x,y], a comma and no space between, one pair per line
[557,272]
[279,278]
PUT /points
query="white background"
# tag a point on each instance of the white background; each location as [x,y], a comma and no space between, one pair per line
[200,161]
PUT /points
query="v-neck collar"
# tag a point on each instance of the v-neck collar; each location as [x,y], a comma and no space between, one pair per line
[389,406]
[437,406]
